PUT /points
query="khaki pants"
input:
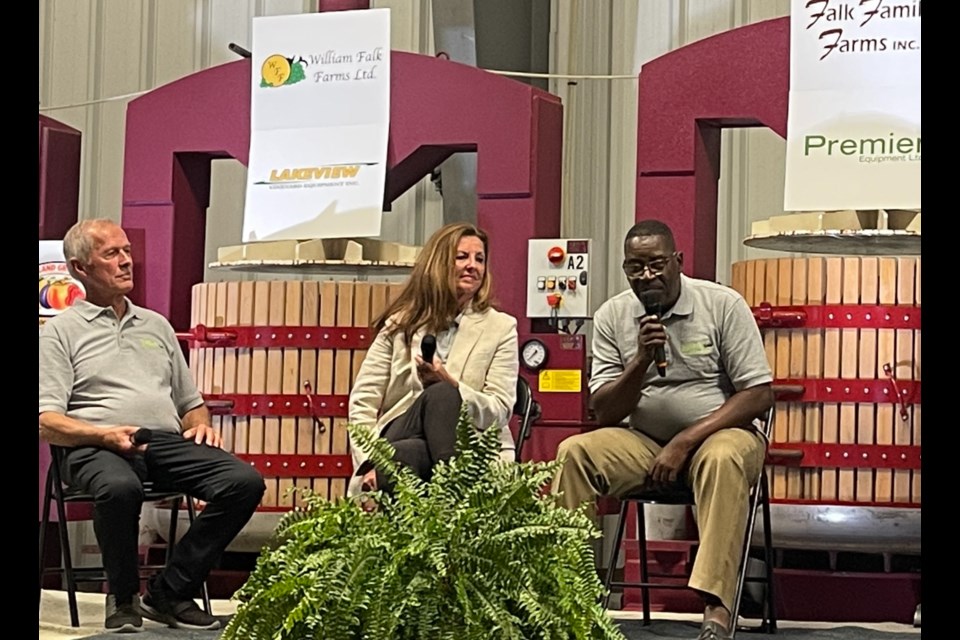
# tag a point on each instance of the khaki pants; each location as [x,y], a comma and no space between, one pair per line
[615,460]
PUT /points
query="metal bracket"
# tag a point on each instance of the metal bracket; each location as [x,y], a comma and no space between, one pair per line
[837,316]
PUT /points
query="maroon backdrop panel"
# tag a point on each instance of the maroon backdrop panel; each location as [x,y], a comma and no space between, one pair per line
[59,193]
[738,78]
[59,183]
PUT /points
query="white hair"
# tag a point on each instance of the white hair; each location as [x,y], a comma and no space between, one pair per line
[79,242]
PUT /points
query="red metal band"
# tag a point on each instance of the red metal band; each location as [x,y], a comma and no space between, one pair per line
[276,405]
[201,337]
[837,316]
[843,390]
[300,466]
[845,456]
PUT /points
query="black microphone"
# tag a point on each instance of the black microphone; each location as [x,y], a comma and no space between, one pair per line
[428,347]
[141,436]
[652,304]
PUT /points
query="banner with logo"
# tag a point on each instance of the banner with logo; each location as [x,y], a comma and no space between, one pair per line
[319,122]
[58,289]
[854,123]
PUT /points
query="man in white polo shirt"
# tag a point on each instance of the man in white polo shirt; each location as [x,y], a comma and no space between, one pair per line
[107,369]
[692,423]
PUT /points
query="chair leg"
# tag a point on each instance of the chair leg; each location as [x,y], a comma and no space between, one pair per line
[644,564]
[44,523]
[614,553]
[205,592]
[769,605]
[67,561]
[172,529]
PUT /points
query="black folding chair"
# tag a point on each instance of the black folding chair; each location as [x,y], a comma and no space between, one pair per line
[682,495]
[527,409]
[56,492]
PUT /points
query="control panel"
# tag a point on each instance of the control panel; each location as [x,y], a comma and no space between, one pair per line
[558,278]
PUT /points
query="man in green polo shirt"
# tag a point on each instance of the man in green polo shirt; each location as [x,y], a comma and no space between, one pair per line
[691,421]
[107,369]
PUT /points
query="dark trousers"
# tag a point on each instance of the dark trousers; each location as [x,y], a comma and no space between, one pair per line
[231,489]
[427,432]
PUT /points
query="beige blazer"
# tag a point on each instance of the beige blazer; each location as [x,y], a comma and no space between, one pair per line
[483,357]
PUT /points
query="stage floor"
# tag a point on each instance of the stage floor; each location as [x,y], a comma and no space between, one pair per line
[55,625]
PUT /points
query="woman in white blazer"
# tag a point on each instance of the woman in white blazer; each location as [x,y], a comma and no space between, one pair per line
[415,404]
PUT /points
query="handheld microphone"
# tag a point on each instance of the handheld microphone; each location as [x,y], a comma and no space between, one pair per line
[428,347]
[652,303]
[141,436]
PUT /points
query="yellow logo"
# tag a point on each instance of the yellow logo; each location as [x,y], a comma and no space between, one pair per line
[278,70]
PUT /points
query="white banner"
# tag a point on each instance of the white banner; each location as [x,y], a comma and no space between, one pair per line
[853,133]
[319,122]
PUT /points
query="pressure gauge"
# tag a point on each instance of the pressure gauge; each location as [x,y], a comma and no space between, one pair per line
[533,355]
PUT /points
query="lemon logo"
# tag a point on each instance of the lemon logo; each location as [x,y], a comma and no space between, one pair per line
[278,70]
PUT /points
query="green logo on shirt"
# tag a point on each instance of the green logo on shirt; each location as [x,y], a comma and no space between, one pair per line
[149,343]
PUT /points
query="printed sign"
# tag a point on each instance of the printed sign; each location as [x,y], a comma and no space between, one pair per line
[58,289]
[854,122]
[319,123]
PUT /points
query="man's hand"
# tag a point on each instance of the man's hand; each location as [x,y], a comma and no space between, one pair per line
[204,433]
[652,334]
[120,440]
[669,462]
[432,373]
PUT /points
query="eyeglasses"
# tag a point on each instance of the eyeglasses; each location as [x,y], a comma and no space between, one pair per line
[636,268]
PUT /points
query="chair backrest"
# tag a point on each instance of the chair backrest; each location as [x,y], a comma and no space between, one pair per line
[527,409]
[765,426]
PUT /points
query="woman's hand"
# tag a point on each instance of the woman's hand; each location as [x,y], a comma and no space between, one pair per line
[369,481]
[432,373]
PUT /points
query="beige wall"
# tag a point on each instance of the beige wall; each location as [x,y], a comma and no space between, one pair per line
[95,50]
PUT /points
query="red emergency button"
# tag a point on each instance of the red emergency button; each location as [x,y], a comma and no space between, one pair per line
[554,300]
[555,255]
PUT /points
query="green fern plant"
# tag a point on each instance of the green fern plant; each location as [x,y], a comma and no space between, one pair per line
[480,552]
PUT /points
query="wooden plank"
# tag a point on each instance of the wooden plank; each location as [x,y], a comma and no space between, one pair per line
[328,318]
[849,359]
[394,290]
[218,319]
[308,375]
[738,278]
[201,353]
[271,425]
[903,431]
[769,284]
[813,413]
[194,353]
[866,411]
[829,434]
[750,282]
[778,290]
[343,370]
[293,309]
[209,318]
[241,437]
[258,368]
[797,359]
[231,319]
[886,354]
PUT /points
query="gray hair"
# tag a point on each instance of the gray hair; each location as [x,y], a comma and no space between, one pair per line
[79,243]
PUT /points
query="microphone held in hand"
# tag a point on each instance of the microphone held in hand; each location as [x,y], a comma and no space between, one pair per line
[142,436]
[653,305]
[428,347]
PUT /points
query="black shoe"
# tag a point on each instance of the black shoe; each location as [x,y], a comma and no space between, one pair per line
[164,606]
[122,617]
